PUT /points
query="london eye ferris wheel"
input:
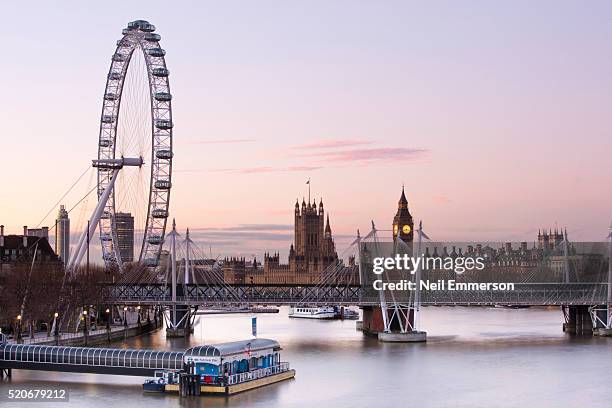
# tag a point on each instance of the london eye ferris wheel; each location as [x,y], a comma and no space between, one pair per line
[135,135]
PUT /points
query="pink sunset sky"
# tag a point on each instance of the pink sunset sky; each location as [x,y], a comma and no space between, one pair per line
[494,116]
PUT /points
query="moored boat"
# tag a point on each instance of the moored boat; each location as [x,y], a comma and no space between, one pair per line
[160,380]
[305,312]
[346,313]
[152,385]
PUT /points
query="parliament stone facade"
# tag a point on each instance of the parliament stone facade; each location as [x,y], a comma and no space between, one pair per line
[312,256]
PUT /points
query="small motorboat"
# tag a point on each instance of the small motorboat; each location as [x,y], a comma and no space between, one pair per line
[350,314]
[154,385]
[160,380]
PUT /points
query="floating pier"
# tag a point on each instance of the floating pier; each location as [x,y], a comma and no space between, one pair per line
[226,368]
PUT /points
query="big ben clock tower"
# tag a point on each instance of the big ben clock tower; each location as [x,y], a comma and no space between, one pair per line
[402,222]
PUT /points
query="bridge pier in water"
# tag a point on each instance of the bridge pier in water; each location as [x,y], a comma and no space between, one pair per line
[5,372]
[395,328]
[577,320]
[583,320]
[181,325]
[180,320]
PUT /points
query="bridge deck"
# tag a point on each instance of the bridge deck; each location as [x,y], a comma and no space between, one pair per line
[289,294]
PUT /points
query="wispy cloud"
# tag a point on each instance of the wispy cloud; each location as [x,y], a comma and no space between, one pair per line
[219,141]
[266,169]
[353,152]
[245,232]
[323,153]
[251,170]
[440,199]
[256,235]
[327,144]
[368,155]
[250,227]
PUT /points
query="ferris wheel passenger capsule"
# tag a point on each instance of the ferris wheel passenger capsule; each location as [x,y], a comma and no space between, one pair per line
[147,27]
[160,72]
[118,57]
[114,75]
[110,96]
[133,25]
[163,124]
[156,52]
[108,119]
[152,37]
[164,154]
[105,142]
[155,239]
[163,96]
[163,184]
[105,237]
[159,213]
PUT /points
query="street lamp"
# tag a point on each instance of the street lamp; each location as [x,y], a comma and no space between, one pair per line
[85,319]
[125,315]
[55,324]
[18,327]
[107,319]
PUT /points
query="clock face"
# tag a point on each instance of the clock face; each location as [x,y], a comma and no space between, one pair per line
[406,229]
[395,229]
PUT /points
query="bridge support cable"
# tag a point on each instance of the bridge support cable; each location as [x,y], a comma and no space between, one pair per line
[602,315]
[190,287]
[337,280]
[81,248]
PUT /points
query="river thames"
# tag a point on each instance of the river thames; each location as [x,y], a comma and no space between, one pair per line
[474,357]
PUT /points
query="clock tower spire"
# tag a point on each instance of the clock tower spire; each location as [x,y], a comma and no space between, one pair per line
[402,222]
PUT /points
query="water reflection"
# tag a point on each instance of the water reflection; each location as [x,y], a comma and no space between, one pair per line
[473,357]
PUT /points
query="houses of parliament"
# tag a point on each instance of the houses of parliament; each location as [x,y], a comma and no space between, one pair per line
[313,255]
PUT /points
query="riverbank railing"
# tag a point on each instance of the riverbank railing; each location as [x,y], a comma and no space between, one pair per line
[50,339]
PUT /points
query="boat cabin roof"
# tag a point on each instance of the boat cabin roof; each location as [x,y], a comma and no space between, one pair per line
[231,348]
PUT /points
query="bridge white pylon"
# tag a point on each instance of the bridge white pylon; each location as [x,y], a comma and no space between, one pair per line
[404,311]
[114,165]
[597,312]
[609,317]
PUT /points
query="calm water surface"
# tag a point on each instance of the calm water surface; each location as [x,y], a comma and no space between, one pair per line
[474,357]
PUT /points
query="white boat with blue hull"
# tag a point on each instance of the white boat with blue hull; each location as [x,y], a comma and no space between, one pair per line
[304,312]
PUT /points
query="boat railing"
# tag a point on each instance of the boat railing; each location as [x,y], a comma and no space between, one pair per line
[259,373]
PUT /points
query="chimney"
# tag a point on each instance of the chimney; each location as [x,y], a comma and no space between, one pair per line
[1,235]
[25,236]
